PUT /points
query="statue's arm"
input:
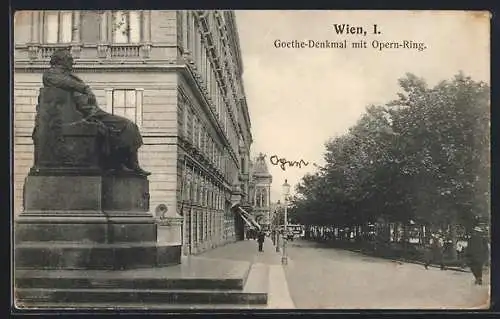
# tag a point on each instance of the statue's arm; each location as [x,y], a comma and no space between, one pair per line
[52,78]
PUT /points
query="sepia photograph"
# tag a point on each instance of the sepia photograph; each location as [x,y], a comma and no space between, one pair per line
[171,160]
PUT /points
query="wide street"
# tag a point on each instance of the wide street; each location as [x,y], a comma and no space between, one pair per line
[322,278]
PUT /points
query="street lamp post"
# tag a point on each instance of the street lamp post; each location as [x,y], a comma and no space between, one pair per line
[276,228]
[286,192]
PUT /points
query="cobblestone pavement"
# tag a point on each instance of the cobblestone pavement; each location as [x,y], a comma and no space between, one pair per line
[327,278]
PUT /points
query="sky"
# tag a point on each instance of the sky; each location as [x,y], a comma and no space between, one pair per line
[300,98]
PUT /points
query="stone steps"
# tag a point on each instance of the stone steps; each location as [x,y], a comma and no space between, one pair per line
[35,295]
[232,283]
[82,283]
[145,307]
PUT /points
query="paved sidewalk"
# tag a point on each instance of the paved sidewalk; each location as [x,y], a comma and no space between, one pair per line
[247,250]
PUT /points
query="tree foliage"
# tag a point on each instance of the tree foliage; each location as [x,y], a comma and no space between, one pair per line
[423,156]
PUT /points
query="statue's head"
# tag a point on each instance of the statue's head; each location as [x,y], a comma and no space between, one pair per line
[63,58]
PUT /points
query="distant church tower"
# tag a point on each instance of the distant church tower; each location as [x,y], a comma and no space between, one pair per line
[261,190]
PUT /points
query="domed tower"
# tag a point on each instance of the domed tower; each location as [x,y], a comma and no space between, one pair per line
[260,195]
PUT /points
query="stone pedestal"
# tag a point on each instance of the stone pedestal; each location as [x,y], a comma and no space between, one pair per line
[170,230]
[89,222]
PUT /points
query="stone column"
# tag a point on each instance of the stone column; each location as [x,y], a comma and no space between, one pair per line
[146,33]
[76,28]
[34,34]
[35,27]
[185,26]
[75,34]
[41,26]
[109,26]
[104,27]
[102,47]
[146,26]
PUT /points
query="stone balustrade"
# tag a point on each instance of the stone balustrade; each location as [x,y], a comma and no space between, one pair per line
[40,53]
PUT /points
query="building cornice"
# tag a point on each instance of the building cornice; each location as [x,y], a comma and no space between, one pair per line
[236,39]
[28,66]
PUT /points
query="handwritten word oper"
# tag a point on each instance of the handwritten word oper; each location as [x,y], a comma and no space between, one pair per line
[282,162]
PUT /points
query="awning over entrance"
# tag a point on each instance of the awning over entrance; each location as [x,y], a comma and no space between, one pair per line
[248,218]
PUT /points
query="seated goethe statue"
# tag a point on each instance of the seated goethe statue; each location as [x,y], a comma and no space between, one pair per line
[121,136]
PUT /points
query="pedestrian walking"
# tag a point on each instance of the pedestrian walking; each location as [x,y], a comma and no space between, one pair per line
[460,251]
[434,253]
[260,239]
[439,253]
[477,254]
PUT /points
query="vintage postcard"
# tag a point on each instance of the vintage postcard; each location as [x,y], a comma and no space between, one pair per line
[228,159]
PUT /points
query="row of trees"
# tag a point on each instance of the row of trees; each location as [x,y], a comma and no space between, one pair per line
[423,157]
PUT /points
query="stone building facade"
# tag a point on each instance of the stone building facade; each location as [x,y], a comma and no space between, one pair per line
[178,76]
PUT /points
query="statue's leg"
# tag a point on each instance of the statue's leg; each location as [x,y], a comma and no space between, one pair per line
[133,163]
[117,159]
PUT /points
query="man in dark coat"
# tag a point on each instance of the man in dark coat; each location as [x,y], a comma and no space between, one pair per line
[260,239]
[434,253]
[477,254]
[123,136]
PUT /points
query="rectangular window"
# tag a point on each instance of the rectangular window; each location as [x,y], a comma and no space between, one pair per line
[200,142]
[209,78]
[58,26]
[213,92]
[192,194]
[185,120]
[127,103]
[211,150]
[203,63]
[198,192]
[189,124]
[92,22]
[205,144]
[225,122]
[195,131]
[195,127]
[199,137]
[185,29]
[196,42]
[192,28]
[126,26]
